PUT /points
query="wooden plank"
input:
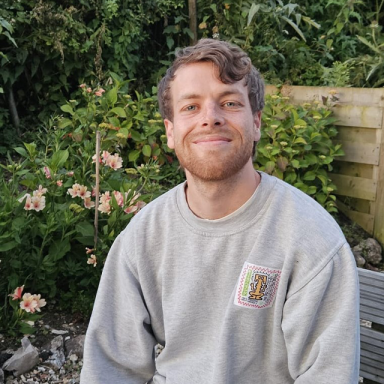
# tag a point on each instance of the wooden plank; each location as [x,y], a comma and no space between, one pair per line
[365,220]
[360,152]
[353,169]
[354,96]
[358,134]
[378,230]
[354,186]
[358,116]
[367,375]
[372,336]
[372,360]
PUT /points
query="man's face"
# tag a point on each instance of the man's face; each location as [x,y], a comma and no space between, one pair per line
[213,128]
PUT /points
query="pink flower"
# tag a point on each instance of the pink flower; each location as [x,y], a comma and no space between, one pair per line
[74,191]
[40,191]
[94,159]
[89,90]
[47,172]
[105,206]
[105,155]
[88,203]
[29,303]
[40,302]
[28,202]
[38,203]
[70,173]
[114,161]
[59,183]
[93,194]
[119,198]
[99,92]
[135,208]
[92,260]
[17,294]
[83,193]
[89,250]
[82,85]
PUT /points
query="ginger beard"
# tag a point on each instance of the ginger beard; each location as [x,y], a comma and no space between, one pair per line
[215,165]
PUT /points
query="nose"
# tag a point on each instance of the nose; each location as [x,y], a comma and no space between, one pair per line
[212,116]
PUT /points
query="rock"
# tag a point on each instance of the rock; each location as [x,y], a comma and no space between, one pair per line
[370,249]
[360,261]
[24,359]
[4,356]
[1,376]
[57,358]
[75,346]
[58,332]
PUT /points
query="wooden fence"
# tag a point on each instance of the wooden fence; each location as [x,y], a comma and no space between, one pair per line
[359,175]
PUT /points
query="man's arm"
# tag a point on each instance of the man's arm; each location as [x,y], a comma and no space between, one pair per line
[321,325]
[119,345]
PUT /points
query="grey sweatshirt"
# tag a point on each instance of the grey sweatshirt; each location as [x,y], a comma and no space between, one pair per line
[266,295]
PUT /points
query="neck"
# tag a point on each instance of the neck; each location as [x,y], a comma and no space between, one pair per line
[216,199]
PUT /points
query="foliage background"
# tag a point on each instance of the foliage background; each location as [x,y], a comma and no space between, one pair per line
[49,48]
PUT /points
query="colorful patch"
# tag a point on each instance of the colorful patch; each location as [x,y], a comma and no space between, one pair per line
[257,286]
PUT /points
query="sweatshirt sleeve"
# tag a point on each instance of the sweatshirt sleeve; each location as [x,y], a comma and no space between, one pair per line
[119,344]
[321,325]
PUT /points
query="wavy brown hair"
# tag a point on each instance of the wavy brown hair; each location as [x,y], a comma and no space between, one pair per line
[232,63]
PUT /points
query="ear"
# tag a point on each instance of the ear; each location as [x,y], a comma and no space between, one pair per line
[257,124]
[169,132]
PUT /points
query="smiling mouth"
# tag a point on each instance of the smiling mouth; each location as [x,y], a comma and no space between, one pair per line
[212,140]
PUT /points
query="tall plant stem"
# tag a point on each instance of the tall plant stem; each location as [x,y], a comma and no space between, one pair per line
[96,223]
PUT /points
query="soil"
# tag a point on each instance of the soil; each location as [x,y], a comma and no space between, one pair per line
[73,324]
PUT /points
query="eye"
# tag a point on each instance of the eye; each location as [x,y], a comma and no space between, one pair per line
[190,108]
[231,104]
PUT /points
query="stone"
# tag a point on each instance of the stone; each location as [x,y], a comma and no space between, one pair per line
[360,261]
[75,346]
[59,332]
[57,359]
[1,376]
[24,359]
[370,249]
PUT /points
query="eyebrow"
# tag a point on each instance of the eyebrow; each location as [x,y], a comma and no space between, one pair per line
[190,96]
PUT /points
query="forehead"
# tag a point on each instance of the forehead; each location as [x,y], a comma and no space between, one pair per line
[202,77]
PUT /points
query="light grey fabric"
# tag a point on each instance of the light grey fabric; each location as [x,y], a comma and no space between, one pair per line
[268,294]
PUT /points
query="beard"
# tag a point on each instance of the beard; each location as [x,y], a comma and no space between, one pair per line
[216,165]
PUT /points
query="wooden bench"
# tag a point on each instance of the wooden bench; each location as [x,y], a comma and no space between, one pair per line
[372,327]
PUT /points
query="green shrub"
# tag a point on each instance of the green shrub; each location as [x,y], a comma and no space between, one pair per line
[296,146]
[46,224]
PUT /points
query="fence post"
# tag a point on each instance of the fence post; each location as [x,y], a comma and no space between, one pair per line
[378,230]
[192,20]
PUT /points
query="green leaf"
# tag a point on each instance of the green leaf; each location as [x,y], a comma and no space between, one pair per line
[85,229]
[118,111]
[112,96]
[8,246]
[309,176]
[368,44]
[252,12]
[67,108]
[294,26]
[134,155]
[300,140]
[63,123]
[59,158]
[59,249]
[21,151]
[146,150]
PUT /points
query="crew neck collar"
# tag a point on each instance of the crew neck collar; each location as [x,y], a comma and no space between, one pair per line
[236,221]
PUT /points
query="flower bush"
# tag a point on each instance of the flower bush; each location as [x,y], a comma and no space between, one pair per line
[48,194]
[24,311]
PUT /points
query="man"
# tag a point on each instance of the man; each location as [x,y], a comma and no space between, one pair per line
[241,277]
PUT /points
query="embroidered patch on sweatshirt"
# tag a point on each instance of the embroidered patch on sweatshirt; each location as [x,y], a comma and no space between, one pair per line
[257,286]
